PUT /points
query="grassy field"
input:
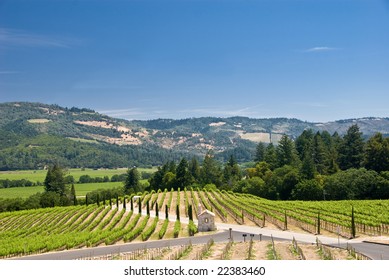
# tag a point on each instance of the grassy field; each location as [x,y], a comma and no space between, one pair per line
[39,175]
[81,189]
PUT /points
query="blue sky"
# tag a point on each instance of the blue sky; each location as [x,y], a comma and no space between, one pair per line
[315,60]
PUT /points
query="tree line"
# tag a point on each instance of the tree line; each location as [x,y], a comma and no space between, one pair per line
[320,166]
[314,166]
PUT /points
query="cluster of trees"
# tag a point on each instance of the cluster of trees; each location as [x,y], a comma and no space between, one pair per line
[322,166]
[18,183]
[322,153]
[188,173]
[314,166]
[114,178]
[56,193]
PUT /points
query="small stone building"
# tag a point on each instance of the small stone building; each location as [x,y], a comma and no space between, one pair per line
[206,220]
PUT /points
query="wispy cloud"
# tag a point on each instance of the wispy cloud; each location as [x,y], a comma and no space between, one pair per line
[155,113]
[19,38]
[131,113]
[320,49]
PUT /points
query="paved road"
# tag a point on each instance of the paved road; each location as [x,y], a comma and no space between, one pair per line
[374,251]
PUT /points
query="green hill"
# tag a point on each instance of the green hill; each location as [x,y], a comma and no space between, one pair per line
[33,135]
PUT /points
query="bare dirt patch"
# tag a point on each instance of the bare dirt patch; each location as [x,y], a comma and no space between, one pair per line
[260,250]
[39,121]
[256,137]
[217,124]
[284,251]
[216,251]
[310,251]
[240,251]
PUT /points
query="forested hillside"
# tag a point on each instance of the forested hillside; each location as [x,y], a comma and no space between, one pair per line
[34,135]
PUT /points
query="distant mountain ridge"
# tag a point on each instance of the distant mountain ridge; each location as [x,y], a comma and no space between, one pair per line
[22,122]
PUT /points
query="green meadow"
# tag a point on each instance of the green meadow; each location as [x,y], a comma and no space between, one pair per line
[81,189]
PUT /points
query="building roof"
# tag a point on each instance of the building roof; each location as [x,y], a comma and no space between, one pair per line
[207,212]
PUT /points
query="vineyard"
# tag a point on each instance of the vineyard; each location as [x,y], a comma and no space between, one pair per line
[250,250]
[118,221]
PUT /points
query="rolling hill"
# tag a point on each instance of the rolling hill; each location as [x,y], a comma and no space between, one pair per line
[33,135]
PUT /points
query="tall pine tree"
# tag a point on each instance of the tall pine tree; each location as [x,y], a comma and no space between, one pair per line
[183,176]
[55,180]
[210,171]
[286,152]
[132,183]
[351,149]
[260,152]
[377,153]
[271,156]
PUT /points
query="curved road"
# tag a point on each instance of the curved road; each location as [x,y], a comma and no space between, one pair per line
[374,251]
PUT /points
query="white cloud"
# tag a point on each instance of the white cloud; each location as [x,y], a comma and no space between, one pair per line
[155,113]
[19,38]
[130,113]
[320,49]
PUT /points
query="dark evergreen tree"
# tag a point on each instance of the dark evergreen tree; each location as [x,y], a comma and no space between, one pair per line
[156,210]
[73,195]
[260,152]
[86,200]
[98,200]
[286,152]
[166,212]
[124,202]
[304,143]
[190,213]
[140,206]
[183,176]
[178,212]
[117,202]
[210,171]
[319,154]
[232,173]
[327,140]
[307,169]
[377,153]
[55,180]
[271,156]
[147,208]
[332,165]
[194,169]
[132,181]
[351,149]
[156,180]
[172,167]
[132,204]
